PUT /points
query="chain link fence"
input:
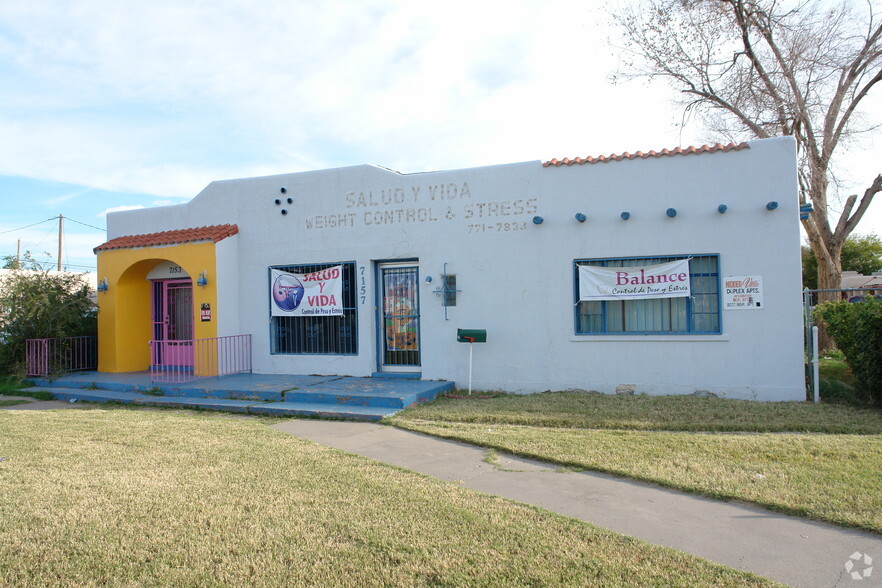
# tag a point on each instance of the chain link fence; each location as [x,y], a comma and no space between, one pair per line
[858,344]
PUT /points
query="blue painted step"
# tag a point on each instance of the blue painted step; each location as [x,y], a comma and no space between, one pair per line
[288,394]
[289,409]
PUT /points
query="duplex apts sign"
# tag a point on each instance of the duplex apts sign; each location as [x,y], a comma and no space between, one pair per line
[662,280]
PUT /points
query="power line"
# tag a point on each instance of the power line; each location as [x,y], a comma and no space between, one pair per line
[52,219]
[29,226]
[84,224]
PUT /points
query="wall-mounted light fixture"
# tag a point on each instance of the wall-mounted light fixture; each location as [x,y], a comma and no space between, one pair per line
[102,285]
[671,212]
[722,208]
[772,205]
[625,215]
[202,280]
[581,217]
[538,220]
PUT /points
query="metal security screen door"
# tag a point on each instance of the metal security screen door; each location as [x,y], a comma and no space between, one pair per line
[173,322]
[399,318]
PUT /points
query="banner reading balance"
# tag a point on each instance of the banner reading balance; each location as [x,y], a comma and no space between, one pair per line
[662,280]
[314,294]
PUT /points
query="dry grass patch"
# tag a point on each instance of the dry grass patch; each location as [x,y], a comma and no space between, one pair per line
[649,413]
[123,497]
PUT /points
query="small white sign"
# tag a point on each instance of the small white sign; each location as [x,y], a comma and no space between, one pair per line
[743,293]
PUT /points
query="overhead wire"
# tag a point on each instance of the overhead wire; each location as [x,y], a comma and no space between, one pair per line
[29,226]
[40,242]
[84,224]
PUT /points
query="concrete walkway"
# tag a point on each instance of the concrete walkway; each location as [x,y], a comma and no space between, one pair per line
[791,550]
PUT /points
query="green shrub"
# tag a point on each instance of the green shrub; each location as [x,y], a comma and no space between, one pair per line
[856,329]
[37,304]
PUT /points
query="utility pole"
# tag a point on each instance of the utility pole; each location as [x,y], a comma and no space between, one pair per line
[60,225]
[18,255]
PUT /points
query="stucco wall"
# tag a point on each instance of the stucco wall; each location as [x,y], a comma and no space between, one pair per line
[517,277]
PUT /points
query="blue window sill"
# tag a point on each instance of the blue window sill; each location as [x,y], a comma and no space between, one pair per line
[632,338]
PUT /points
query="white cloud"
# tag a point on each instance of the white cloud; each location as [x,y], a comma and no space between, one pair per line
[104,213]
[164,97]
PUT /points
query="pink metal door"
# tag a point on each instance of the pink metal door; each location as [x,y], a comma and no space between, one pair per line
[173,322]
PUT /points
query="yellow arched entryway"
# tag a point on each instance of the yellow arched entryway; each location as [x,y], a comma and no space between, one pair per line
[125,325]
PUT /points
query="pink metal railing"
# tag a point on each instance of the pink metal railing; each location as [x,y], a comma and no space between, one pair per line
[69,354]
[188,360]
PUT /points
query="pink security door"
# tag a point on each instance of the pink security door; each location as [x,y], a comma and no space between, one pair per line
[173,322]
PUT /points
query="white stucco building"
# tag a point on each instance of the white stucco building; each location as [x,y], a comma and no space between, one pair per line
[509,239]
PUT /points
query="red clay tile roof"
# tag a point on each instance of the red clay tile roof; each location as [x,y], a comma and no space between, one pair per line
[213,233]
[641,155]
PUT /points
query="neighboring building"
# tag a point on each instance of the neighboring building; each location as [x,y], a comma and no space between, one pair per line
[518,250]
[860,285]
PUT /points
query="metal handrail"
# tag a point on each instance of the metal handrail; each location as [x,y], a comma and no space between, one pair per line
[191,359]
[67,354]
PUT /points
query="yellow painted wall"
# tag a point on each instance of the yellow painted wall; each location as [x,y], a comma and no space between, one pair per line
[124,320]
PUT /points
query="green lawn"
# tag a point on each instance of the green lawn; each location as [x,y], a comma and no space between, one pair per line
[825,475]
[11,387]
[113,496]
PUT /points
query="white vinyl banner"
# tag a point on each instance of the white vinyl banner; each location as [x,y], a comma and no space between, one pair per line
[662,280]
[314,294]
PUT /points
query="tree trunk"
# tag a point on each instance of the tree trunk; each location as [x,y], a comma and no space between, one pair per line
[829,278]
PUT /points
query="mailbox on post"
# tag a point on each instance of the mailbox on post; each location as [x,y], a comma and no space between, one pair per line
[471,335]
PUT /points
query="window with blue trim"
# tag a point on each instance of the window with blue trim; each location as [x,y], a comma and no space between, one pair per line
[323,335]
[698,314]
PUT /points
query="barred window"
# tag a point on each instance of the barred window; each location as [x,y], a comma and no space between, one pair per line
[325,335]
[698,314]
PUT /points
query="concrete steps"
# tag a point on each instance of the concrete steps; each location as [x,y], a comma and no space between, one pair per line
[366,399]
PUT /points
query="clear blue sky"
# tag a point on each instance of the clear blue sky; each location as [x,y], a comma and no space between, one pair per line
[106,105]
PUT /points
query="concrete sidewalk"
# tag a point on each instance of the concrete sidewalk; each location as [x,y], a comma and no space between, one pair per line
[791,550]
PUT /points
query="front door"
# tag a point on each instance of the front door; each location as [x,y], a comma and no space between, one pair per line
[399,316]
[173,322]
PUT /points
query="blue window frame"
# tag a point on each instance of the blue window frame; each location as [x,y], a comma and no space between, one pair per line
[319,335]
[695,315]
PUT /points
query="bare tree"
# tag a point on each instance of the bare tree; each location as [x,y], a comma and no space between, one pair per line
[760,68]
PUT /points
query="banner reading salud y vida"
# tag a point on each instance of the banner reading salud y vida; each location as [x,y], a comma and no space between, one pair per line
[314,294]
[662,280]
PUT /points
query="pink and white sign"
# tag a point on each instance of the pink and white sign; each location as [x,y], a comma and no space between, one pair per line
[314,294]
[662,280]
